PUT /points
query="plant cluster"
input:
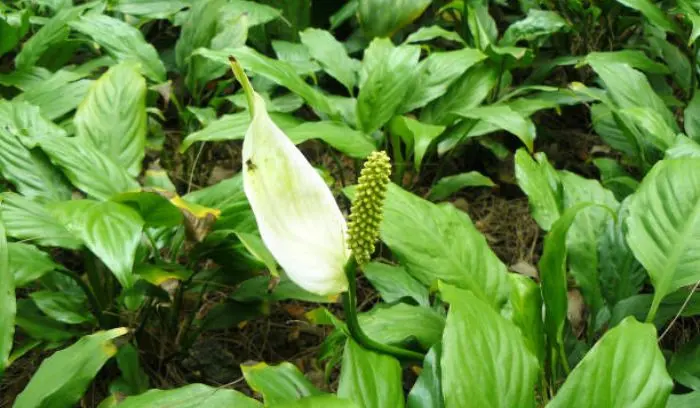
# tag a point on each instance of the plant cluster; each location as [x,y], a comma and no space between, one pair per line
[109,262]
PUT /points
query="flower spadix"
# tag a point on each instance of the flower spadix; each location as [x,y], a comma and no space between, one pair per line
[298,218]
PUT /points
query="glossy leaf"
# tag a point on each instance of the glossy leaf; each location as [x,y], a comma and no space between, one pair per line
[62,308]
[340,136]
[53,32]
[634,58]
[683,147]
[537,24]
[150,8]
[427,390]
[198,28]
[113,117]
[625,368]
[691,118]
[332,56]
[690,400]
[541,184]
[36,325]
[684,366]
[28,263]
[382,18]
[58,95]
[449,185]
[191,396]
[485,361]
[154,209]
[110,230]
[526,312]
[382,94]
[654,14]
[123,42]
[318,401]
[503,117]
[63,378]
[134,379]
[663,226]
[296,55]
[376,388]
[88,168]
[401,322]
[418,136]
[278,384]
[428,33]
[8,304]
[393,283]
[13,27]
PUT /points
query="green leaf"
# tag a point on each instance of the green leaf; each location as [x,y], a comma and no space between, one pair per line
[35,324]
[332,56]
[468,91]
[191,396]
[154,209]
[615,178]
[30,221]
[449,185]
[113,117]
[417,136]
[639,305]
[427,390]
[691,118]
[88,168]
[401,322]
[384,91]
[63,378]
[663,226]
[690,400]
[436,73]
[59,94]
[634,58]
[393,283]
[110,230]
[278,384]
[481,25]
[318,401]
[382,18]
[255,246]
[55,31]
[537,24]
[58,306]
[625,368]
[8,305]
[526,313]
[296,55]
[337,134]
[13,27]
[439,242]
[503,117]
[684,366]
[654,14]
[377,387]
[683,147]
[655,131]
[28,263]
[132,374]
[123,42]
[150,9]
[481,353]
[29,170]
[198,29]
[541,184]
[432,32]
[606,125]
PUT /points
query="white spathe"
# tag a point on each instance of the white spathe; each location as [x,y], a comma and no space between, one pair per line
[298,218]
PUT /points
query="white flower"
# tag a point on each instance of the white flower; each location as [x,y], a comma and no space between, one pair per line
[298,218]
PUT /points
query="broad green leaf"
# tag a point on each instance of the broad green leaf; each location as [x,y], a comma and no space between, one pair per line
[625,368]
[583,235]
[123,42]
[346,12]
[382,18]
[88,168]
[503,117]
[28,263]
[8,305]
[401,322]
[683,147]
[152,9]
[449,185]
[296,55]
[654,14]
[255,246]
[191,396]
[468,91]
[481,25]
[337,134]
[25,78]
[279,383]
[62,308]
[432,32]
[36,325]
[63,378]
[684,366]
[541,184]
[154,209]
[258,289]
[691,118]
[439,242]
[286,103]
[607,128]
[378,387]
[28,169]
[112,231]
[55,30]
[634,58]
[485,361]
[526,312]
[198,29]
[427,390]
[689,400]
[393,283]
[676,60]
[663,226]
[134,379]
[418,136]
[13,27]
[537,24]
[332,56]
[384,91]
[436,73]
[113,117]
[318,401]
[30,221]
[615,178]
[655,131]
[257,13]
[59,94]
[680,301]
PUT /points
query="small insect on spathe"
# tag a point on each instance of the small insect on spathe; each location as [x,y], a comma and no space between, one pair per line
[250,165]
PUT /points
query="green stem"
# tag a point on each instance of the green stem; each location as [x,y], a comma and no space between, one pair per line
[564,359]
[242,78]
[94,304]
[350,306]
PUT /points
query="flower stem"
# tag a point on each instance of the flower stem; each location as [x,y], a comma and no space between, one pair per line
[350,306]
[242,78]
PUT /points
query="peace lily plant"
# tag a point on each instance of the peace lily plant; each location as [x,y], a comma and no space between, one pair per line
[299,220]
